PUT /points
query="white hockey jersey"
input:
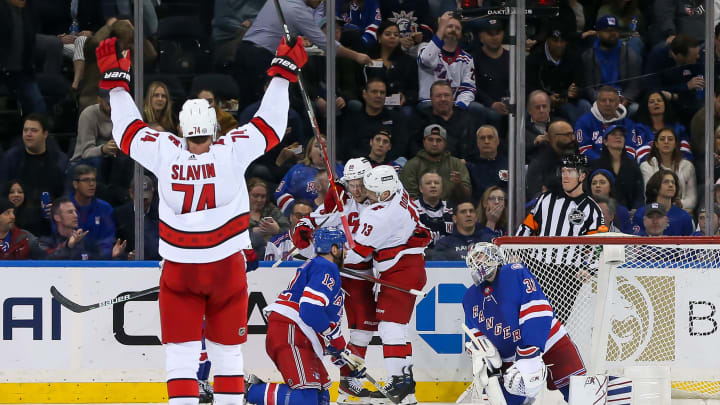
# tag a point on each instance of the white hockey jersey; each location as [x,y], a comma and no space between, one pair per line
[458,70]
[383,231]
[204,204]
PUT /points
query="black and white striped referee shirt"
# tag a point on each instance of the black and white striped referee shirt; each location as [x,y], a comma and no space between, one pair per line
[556,214]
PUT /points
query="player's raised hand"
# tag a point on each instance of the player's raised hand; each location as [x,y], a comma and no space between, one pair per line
[114,71]
[302,235]
[288,60]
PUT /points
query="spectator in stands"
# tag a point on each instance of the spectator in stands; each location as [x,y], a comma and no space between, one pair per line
[665,154]
[656,113]
[542,174]
[538,119]
[73,49]
[124,218]
[358,127]
[434,156]
[33,218]
[685,79]
[655,220]
[281,244]
[361,22]
[15,243]
[69,242]
[39,164]
[434,212]
[299,181]
[460,124]
[393,65]
[628,178]
[601,185]
[443,59]
[697,130]
[95,215]
[492,69]
[492,167]
[630,21]
[607,111]
[465,233]
[609,210]
[16,54]
[266,219]
[322,185]
[231,20]
[673,17]
[380,145]
[224,119]
[414,19]
[124,31]
[159,107]
[702,217]
[492,213]
[94,139]
[662,188]
[553,68]
[258,45]
[612,62]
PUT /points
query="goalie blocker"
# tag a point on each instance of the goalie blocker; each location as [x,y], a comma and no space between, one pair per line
[508,309]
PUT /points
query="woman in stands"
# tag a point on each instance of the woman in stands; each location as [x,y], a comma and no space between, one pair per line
[158,107]
[266,220]
[601,184]
[398,69]
[655,114]
[665,154]
[492,213]
[662,188]
[28,216]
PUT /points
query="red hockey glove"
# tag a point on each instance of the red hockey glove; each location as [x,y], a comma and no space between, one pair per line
[302,235]
[114,71]
[288,60]
[251,259]
[330,200]
[421,237]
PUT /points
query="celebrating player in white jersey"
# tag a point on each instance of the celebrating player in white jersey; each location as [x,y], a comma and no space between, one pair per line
[360,300]
[390,233]
[515,326]
[204,216]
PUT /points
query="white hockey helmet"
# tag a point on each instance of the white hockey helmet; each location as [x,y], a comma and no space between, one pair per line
[381,179]
[356,169]
[483,259]
[198,118]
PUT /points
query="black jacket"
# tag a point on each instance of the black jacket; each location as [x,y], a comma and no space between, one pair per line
[461,128]
[357,128]
[629,185]
[6,30]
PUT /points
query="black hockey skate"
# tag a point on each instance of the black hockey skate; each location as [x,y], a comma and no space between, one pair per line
[351,391]
[251,380]
[206,392]
[399,390]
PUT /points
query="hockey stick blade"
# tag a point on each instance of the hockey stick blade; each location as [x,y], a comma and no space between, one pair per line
[373,381]
[75,307]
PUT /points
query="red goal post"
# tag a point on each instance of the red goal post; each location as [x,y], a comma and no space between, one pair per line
[634,301]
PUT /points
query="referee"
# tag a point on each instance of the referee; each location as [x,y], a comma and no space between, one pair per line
[568,213]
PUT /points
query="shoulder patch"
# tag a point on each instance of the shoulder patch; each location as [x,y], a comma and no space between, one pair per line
[516,266]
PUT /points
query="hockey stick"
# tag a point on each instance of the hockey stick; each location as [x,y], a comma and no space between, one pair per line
[492,382]
[316,131]
[354,365]
[75,307]
[383,283]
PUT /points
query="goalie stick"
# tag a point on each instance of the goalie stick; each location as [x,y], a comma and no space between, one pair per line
[75,307]
[491,385]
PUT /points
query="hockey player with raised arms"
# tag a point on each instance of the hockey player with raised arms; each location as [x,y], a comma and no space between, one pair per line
[509,314]
[360,301]
[204,216]
[303,324]
[391,235]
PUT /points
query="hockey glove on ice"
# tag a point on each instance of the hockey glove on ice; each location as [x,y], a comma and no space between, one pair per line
[421,237]
[251,259]
[288,60]
[114,71]
[302,235]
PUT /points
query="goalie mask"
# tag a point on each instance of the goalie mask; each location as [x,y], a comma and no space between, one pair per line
[483,260]
[198,118]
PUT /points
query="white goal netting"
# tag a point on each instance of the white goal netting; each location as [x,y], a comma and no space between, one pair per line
[629,301]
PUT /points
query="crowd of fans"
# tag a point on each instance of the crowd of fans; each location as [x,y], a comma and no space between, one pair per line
[419,87]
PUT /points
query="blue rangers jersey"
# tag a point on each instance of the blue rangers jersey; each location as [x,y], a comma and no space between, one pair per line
[313,299]
[299,183]
[590,127]
[512,312]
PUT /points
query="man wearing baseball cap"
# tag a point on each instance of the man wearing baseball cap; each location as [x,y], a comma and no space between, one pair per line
[434,157]
[611,62]
[15,243]
[655,220]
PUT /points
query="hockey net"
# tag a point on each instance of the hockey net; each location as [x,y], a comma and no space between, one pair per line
[631,301]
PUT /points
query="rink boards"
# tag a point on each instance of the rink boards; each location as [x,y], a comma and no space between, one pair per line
[113,354]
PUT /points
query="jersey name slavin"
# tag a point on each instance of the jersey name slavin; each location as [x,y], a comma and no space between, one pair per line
[193,172]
